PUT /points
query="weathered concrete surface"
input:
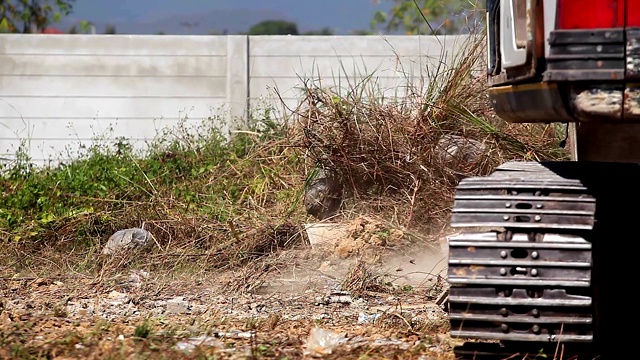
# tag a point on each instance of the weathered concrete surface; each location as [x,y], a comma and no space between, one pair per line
[58,91]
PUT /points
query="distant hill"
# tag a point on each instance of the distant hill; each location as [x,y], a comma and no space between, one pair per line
[233,21]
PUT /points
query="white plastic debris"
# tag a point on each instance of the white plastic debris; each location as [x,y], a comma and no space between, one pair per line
[190,344]
[323,342]
[236,334]
[369,319]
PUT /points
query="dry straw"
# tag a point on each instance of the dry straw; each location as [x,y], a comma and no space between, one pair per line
[404,155]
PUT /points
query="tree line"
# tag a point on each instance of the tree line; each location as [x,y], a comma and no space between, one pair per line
[405,16]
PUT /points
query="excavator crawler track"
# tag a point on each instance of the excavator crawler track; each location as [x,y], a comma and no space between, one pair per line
[521,270]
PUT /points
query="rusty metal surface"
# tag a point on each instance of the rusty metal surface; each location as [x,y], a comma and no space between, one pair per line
[523,166]
[633,54]
[598,103]
[492,351]
[483,259]
[596,72]
[540,102]
[608,142]
[632,104]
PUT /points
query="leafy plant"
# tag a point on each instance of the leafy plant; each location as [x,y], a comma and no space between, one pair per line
[144,330]
[27,16]
[426,17]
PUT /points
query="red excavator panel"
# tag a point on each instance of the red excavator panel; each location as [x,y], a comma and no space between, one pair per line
[595,14]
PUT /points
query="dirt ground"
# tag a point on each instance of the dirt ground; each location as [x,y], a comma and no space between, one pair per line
[302,310]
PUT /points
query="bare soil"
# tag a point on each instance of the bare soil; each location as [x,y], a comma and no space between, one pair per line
[301,310]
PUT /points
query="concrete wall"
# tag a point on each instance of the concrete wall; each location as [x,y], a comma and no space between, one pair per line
[396,63]
[60,91]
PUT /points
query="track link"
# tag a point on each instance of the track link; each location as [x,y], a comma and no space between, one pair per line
[525,276]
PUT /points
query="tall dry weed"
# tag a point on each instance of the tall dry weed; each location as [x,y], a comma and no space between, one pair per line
[404,156]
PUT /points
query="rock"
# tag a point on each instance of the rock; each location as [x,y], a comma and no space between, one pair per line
[136,278]
[454,148]
[118,298]
[236,334]
[177,306]
[323,196]
[390,342]
[127,239]
[340,297]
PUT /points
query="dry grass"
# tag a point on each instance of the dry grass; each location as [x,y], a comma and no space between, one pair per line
[214,204]
[391,155]
[217,204]
[363,278]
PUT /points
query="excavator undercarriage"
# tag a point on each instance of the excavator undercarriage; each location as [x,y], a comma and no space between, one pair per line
[536,264]
[543,265]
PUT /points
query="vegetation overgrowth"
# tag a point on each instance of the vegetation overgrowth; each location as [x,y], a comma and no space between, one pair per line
[220,196]
[402,156]
[227,197]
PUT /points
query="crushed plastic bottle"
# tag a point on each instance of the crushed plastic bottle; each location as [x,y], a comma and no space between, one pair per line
[323,342]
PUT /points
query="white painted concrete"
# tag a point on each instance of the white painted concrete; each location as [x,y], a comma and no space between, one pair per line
[60,91]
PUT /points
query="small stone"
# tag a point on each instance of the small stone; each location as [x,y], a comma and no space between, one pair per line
[452,148]
[177,306]
[323,197]
[118,298]
[127,239]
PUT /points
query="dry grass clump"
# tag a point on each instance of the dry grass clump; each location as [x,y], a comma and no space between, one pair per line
[362,278]
[405,157]
[185,242]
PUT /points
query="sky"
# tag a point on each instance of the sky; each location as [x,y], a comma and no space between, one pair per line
[341,15]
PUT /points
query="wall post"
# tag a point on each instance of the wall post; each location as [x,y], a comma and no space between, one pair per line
[238,77]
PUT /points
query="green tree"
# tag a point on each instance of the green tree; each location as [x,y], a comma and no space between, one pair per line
[362,32]
[4,26]
[426,17]
[218,32]
[323,31]
[31,16]
[274,27]
[86,27]
[110,29]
